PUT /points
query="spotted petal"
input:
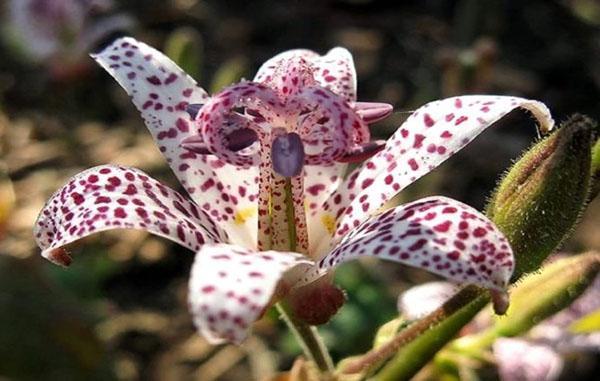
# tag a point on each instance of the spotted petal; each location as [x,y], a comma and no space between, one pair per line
[161,91]
[110,197]
[230,288]
[429,136]
[320,181]
[436,234]
[334,71]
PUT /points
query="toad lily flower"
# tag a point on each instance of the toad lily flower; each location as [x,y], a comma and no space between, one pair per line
[270,213]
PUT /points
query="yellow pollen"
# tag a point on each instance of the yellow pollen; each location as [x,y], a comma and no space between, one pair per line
[242,215]
[329,223]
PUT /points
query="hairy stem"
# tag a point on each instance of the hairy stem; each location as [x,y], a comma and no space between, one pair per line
[463,298]
[308,338]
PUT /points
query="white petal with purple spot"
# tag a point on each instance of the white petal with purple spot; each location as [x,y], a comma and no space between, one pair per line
[230,287]
[111,197]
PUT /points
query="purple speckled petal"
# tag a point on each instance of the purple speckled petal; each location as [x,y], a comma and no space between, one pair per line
[436,234]
[110,197]
[333,71]
[230,287]
[429,136]
[161,91]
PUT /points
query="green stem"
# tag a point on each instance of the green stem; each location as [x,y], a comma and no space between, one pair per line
[308,338]
[453,314]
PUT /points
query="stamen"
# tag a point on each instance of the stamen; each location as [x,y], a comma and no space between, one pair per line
[372,112]
[287,154]
[362,152]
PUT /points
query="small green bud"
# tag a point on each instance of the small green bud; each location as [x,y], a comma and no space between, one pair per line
[184,46]
[541,197]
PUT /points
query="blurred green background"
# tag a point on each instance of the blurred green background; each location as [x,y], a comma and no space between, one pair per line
[120,311]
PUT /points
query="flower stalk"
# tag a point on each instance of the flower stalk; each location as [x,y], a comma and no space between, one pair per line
[309,339]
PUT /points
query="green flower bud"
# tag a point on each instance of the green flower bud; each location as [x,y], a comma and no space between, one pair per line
[541,197]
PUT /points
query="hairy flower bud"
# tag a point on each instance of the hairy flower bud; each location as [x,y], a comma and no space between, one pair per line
[541,197]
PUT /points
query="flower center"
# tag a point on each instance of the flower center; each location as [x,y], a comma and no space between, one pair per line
[280,126]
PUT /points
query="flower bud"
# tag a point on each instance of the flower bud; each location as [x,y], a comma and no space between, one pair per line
[541,197]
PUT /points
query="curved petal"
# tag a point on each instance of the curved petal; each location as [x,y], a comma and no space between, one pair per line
[334,71]
[437,234]
[110,197]
[429,136]
[267,69]
[230,287]
[161,92]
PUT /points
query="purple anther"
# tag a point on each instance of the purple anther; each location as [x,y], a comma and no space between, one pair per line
[372,112]
[287,154]
[193,109]
[240,139]
[195,144]
[362,152]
